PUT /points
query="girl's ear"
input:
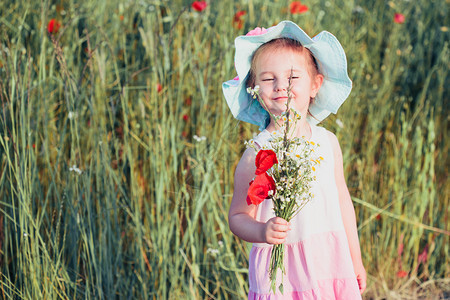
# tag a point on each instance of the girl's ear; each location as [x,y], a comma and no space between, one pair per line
[316,84]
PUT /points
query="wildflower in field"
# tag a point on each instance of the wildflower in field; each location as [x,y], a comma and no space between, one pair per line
[188,101]
[74,168]
[339,123]
[72,115]
[298,8]
[402,274]
[238,22]
[212,251]
[358,10]
[399,18]
[53,26]
[199,138]
[121,17]
[185,117]
[199,5]
[159,87]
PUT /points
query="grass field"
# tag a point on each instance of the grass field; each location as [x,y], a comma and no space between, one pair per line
[117,149]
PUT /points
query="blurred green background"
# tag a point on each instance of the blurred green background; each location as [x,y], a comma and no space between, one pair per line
[117,149]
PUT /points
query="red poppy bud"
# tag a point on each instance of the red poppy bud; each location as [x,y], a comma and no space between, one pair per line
[53,26]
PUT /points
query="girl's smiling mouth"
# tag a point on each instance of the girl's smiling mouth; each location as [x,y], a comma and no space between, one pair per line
[284,98]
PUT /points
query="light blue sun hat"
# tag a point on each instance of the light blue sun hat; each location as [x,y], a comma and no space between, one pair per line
[331,60]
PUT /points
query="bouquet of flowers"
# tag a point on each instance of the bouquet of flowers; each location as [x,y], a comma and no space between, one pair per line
[284,172]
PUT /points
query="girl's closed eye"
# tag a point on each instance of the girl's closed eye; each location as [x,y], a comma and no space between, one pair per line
[267,79]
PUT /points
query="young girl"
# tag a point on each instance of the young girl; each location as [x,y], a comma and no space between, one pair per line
[322,257]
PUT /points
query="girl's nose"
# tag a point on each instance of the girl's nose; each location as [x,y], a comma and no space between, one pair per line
[281,85]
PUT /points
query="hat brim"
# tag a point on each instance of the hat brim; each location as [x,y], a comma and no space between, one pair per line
[329,55]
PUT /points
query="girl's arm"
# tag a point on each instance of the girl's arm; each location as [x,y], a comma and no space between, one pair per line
[241,217]
[348,214]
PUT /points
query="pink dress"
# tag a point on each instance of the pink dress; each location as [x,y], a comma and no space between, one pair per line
[317,256]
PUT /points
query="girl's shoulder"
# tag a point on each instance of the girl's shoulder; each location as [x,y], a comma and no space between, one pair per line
[262,138]
[327,137]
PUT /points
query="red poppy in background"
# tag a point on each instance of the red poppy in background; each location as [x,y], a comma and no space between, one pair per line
[238,22]
[159,87]
[185,117]
[298,8]
[399,18]
[199,5]
[53,26]
[265,159]
[259,189]
[402,273]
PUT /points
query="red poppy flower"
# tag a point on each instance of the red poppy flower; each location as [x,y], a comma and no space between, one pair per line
[53,26]
[265,159]
[185,117]
[298,8]
[402,273]
[238,22]
[399,18]
[199,5]
[159,87]
[259,189]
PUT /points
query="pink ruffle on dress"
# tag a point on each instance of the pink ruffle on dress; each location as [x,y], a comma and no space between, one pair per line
[317,256]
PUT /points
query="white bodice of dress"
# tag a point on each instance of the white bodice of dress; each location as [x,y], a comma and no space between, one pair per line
[322,213]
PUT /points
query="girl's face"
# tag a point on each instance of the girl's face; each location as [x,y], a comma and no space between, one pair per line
[273,69]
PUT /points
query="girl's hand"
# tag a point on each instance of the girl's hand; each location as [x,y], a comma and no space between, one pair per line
[276,230]
[361,277]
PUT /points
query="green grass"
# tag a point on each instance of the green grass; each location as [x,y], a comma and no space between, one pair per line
[147,216]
